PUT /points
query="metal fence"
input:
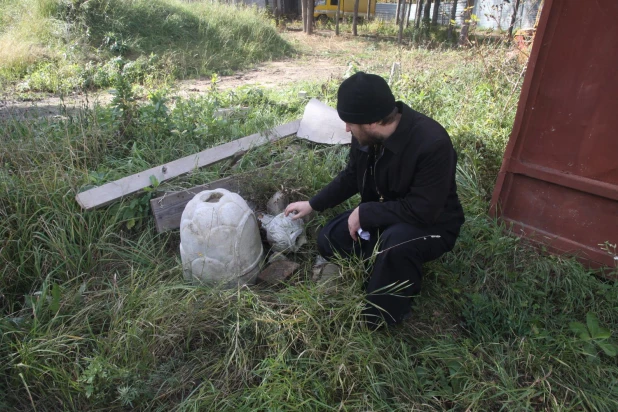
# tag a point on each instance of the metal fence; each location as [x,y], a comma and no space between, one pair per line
[387,11]
[490,14]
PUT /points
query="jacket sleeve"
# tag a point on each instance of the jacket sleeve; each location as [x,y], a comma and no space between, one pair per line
[426,197]
[343,186]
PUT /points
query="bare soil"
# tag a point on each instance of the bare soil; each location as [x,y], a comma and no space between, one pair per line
[267,75]
[321,57]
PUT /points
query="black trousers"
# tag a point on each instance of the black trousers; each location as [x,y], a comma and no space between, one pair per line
[397,271]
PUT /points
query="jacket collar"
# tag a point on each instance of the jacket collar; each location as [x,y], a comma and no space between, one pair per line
[401,136]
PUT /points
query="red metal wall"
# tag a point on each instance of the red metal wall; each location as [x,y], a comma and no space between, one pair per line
[559,179]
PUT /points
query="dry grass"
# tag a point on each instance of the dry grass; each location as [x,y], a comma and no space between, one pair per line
[375,54]
[17,54]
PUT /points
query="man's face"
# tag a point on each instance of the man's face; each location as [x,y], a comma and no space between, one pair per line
[364,133]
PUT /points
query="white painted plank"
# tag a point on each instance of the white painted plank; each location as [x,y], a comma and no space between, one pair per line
[109,192]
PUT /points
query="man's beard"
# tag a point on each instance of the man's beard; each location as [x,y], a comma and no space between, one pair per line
[368,139]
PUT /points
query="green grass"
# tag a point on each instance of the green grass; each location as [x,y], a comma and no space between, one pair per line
[95,313]
[67,45]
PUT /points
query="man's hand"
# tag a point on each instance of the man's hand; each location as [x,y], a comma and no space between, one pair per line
[354,224]
[302,209]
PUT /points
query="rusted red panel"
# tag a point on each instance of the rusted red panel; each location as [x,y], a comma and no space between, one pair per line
[558,184]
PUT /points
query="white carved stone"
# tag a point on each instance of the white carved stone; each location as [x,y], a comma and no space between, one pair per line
[220,239]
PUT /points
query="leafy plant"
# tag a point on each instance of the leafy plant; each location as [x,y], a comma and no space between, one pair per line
[124,104]
[44,303]
[592,336]
[139,207]
[114,43]
[127,395]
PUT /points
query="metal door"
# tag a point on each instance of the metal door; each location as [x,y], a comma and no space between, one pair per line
[558,184]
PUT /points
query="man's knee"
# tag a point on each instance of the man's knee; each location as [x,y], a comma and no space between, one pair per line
[334,237]
[406,240]
[399,237]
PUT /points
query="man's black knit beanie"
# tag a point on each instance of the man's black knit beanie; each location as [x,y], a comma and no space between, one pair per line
[364,98]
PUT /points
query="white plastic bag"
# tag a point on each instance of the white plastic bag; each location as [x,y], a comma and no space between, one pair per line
[283,233]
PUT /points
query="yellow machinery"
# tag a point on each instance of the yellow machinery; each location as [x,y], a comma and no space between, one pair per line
[327,9]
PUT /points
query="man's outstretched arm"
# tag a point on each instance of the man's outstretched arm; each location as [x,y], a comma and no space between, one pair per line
[301,209]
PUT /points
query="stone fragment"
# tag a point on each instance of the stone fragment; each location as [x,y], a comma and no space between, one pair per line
[395,71]
[326,274]
[326,271]
[277,272]
[277,204]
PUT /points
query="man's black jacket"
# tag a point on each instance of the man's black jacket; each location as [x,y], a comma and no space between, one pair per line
[410,179]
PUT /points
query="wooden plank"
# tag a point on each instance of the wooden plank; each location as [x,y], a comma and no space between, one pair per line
[167,209]
[108,193]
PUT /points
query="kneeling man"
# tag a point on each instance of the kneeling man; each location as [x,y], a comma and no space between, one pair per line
[403,165]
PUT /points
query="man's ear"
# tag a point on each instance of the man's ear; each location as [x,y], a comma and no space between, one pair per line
[371,126]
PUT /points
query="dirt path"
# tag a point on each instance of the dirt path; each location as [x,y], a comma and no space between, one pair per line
[323,56]
[270,74]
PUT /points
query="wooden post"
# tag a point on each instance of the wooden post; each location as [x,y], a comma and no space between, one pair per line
[401,21]
[310,11]
[467,15]
[426,13]
[436,12]
[453,21]
[337,17]
[513,18]
[419,10]
[395,70]
[303,6]
[409,12]
[355,18]
[276,11]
